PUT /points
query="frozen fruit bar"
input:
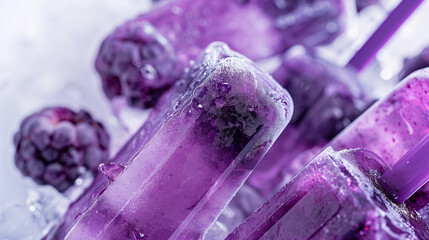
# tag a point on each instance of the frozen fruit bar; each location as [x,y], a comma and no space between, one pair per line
[185,174]
[203,66]
[142,58]
[337,196]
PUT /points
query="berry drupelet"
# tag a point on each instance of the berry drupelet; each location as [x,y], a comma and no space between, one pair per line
[56,146]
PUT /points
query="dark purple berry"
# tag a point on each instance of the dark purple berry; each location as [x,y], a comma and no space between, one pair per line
[64,135]
[92,157]
[86,134]
[50,154]
[137,62]
[35,168]
[54,174]
[56,146]
[70,157]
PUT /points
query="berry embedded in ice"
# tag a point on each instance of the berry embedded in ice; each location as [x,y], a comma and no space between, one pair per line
[56,146]
[137,62]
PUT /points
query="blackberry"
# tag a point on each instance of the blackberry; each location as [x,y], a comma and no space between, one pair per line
[56,146]
[137,62]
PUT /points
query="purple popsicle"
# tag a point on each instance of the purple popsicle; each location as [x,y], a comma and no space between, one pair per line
[391,127]
[197,155]
[142,58]
[338,196]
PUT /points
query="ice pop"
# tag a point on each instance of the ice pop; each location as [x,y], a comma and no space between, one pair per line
[393,125]
[141,59]
[337,196]
[181,174]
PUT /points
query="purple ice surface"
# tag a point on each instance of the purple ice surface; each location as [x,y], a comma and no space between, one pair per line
[185,164]
[337,196]
[143,58]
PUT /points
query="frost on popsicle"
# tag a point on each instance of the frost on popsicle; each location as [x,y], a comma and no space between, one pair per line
[181,171]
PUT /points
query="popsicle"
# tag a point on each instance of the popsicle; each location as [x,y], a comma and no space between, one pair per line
[344,195]
[142,58]
[202,149]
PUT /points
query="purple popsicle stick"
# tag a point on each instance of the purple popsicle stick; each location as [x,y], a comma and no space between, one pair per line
[408,174]
[383,33]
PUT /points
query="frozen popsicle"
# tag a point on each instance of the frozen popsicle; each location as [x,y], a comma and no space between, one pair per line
[142,58]
[181,173]
[339,195]
[391,127]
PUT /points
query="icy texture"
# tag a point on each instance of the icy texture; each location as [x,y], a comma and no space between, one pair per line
[326,99]
[142,58]
[194,154]
[28,221]
[337,196]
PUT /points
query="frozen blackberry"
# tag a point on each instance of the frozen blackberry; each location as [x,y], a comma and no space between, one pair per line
[56,146]
[136,62]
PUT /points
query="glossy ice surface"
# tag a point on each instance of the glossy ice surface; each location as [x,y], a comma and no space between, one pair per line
[337,196]
[326,99]
[184,169]
[142,58]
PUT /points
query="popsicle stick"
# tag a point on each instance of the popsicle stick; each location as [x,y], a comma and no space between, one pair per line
[408,174]
[383,33]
